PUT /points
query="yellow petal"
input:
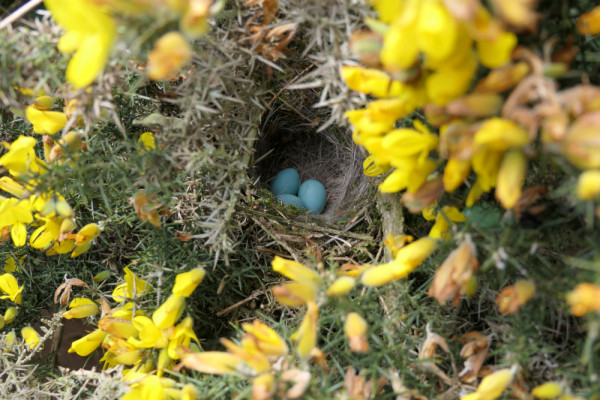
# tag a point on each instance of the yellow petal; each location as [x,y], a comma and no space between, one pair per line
[88,343]
[169,312]
[341,286]
[306,335]
[510,178]
[588,185]
[294,270]
[186,283]
[32,338]
[496,52]
[45,122]
[548,390]
[10,314]
[170,53]
[212,362]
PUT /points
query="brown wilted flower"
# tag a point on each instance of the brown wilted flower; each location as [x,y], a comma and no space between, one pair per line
[146,208]
[68,289]
[581,144]
[425,196]
[513,297]
[452,277]
[293,383]
[475,351]
[428,350]
[518,13]
[358,388]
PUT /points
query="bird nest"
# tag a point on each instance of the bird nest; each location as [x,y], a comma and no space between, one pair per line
[289,138]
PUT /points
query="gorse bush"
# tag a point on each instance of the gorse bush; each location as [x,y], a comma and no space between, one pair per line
[138,140]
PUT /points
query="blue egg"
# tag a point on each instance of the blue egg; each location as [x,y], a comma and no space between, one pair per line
[286,181]
[313,195]
[291,200]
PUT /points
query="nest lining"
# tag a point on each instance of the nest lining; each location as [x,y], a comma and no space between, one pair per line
[289,139]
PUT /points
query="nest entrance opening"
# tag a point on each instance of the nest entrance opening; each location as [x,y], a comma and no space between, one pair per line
[289,139]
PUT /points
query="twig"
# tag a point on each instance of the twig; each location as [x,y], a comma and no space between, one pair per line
[254,295]
[309,227]
[19,12]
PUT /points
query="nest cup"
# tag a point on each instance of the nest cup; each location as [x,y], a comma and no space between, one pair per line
[289,139]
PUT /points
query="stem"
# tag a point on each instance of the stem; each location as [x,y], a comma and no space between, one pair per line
[19,12]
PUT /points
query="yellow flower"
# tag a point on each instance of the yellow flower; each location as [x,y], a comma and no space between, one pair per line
[486,163]
[266,339]
[170,53]
[88,343]
[32,339]
[133,286]
[188,392]
[341,286]
[548,390]
[16,214]
[152,387]
[212,362]
[181,336]
[588,184]
[589,23]
[494,53]
[371,168]
[81,308]
[511,176]
[451,81]
[371,81]
[186,282]
[249,353]
[382,274]
[294,294]
[146,142]
[21,158]
[455,173]
[149,334]
[118,327]
[403,143]
[1,322]
[169,312]
[10,287]
[437,30]
[409,174]
[492,386]
[444,220]
[9,185]
[413,254]
[45,122]
[294,270]
[401,34]
[10,314]
[90,32]
[584,298]
[84,237]
[10,339]
[306,336]
[263,386]
[355,329]
[501,134]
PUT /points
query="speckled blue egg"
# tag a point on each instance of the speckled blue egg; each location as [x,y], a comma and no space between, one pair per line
[286,182]
[313,195]
[291,200]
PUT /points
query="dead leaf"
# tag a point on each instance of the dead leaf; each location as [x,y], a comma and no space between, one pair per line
[66,294]
[475,351]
